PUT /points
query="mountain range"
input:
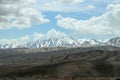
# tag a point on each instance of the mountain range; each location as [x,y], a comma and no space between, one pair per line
[51,42]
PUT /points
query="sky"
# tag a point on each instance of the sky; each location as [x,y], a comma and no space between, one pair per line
[35,19]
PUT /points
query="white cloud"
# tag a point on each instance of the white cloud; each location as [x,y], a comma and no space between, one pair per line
[58,16]
[38,36]
[20,14]
[65,6]
[24,39]
[21,40]
[107,23]
[55,34]
[82,6]
[58,35]
[6,41]
[116,1]
[71,1]
[22,22]
[91,6]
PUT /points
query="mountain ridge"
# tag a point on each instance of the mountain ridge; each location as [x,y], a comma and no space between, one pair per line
[51,42]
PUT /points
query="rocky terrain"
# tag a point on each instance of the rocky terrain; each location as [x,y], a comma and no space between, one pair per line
[57,63]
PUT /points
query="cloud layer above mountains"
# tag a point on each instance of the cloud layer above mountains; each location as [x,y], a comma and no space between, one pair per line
[54,34]
[107,23]
[84,17]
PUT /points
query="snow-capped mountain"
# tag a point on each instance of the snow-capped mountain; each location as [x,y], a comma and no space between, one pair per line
[86,42]
[114,41]
[64,42]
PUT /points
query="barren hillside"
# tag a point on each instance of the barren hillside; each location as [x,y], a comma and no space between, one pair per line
[45,63]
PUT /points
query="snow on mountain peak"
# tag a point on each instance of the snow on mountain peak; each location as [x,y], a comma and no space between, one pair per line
[59,42]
